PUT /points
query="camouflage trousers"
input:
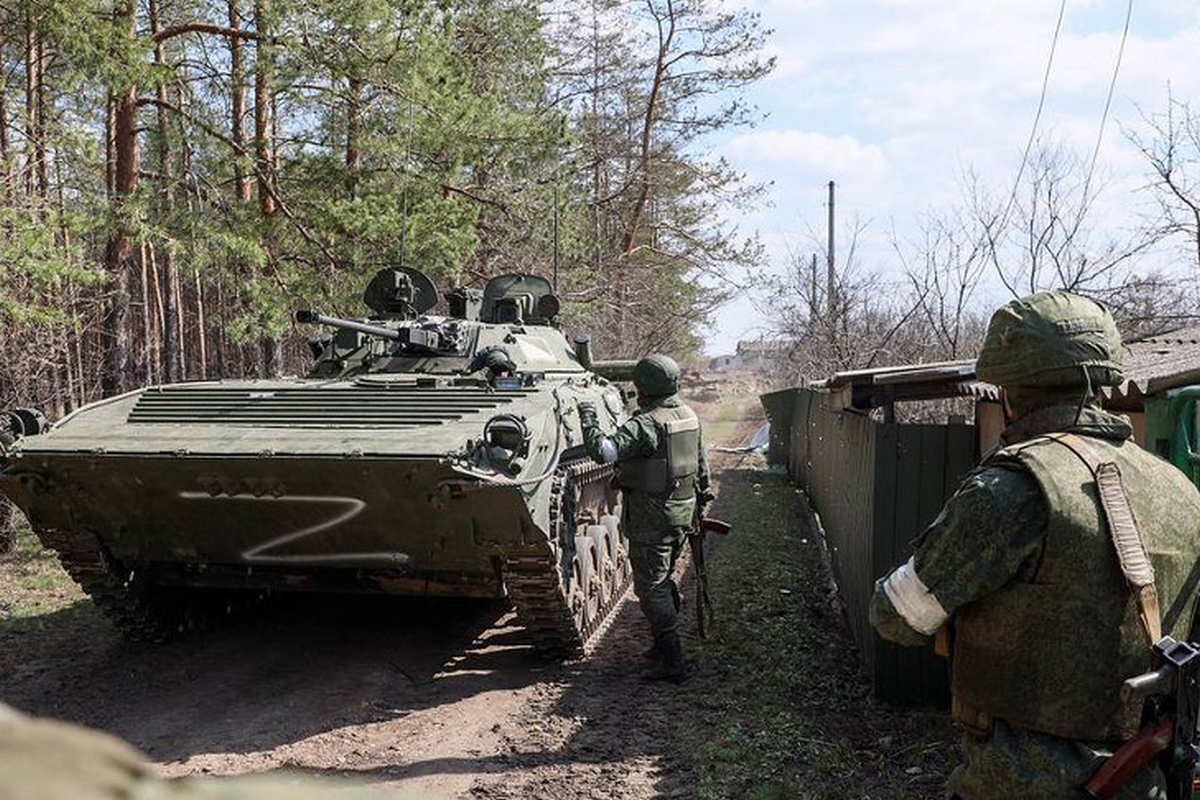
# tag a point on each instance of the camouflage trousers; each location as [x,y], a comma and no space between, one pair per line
[1014,762]
[652,562]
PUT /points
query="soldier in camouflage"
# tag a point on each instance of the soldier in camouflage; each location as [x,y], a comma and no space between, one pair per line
[1020,569]
[663,471]
[495,361]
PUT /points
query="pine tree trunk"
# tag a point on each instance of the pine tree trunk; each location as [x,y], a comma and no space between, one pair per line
[222,371]
[201,333]
[43,164]
[149,352]
[272,353]
[31,123]
[262,110]
[166,259]
[118,255]
[353,128]
[7,190]
[176,290]
[237,78]
[110,138]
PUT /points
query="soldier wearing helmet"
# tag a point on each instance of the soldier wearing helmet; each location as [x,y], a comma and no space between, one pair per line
[1021,567]
[662,469]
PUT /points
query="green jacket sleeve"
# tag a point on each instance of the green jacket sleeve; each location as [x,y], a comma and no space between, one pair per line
[636,437]
[989,532]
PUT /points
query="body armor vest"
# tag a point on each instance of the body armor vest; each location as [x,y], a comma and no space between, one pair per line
[1050,652]
[673,467]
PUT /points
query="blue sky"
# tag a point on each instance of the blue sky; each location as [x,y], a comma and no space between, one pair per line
[893,98]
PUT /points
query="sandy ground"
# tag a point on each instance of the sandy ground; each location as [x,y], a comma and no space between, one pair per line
[420,698]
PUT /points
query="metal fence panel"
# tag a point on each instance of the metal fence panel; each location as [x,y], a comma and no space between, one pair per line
[876,487]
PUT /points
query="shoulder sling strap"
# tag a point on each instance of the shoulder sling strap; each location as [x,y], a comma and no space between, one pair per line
[1122,528]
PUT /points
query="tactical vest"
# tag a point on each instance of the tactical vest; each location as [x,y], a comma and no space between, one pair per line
[672,468]
[1050,652]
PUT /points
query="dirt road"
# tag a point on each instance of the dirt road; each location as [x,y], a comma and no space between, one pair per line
[425,699]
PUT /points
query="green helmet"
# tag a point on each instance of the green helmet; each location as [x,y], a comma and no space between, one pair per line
[656,375]
[1048,339]
[495,358]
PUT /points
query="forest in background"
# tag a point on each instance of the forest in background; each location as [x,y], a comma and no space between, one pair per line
[177,176]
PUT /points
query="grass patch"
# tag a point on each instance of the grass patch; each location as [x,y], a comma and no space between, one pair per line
[45,618]
[32,581]
[777,707]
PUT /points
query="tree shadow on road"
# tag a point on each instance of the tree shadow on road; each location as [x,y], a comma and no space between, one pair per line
[307,665]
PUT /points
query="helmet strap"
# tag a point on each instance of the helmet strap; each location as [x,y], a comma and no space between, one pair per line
[1006,408]
[1087,392]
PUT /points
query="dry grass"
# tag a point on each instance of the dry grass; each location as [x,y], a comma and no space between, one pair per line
[779,708]
[31,580]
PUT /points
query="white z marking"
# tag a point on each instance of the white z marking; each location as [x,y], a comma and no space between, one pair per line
[353,507]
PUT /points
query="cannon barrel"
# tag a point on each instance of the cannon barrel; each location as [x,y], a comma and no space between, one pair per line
[309,317]
[617,370]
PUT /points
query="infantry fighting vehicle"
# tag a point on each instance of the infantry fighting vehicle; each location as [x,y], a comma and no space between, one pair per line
[423,455]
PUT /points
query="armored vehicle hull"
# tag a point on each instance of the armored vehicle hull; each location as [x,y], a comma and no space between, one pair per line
[174,504]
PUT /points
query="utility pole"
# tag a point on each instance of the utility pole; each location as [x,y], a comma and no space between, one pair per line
[831,301]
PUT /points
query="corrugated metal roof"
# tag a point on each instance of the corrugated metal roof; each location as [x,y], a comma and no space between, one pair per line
[1152,364]
[903,382]
[904,373]
[1160,362]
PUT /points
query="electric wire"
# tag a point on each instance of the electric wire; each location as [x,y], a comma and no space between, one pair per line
[1112,85]
[1037,117]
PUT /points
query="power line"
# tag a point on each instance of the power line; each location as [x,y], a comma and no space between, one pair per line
[1037,117]
[1112,85]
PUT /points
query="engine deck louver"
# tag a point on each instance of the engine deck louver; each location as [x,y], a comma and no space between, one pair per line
[313,407]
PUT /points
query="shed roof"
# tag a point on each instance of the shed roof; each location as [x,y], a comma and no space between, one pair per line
[881,385]
[1152,364]
[1159,362]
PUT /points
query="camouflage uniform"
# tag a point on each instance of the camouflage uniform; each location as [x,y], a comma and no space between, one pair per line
[656,524]
[1020,562]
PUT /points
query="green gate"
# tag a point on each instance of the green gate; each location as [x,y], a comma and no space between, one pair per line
[1173,428]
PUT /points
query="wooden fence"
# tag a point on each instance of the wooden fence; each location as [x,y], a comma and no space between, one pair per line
[876,486]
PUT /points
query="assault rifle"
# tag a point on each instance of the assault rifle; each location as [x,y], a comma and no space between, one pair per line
[702,525]
[1172,704]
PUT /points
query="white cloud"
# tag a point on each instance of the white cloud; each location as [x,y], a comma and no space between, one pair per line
[804,151]
[892,98]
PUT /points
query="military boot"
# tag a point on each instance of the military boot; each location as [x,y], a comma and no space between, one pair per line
[671,668]
[653,652]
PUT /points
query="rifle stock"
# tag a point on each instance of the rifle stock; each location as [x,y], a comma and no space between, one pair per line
[1129,759]
[710,525]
